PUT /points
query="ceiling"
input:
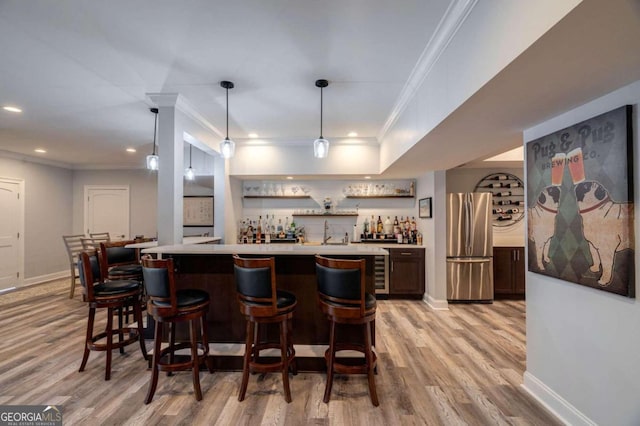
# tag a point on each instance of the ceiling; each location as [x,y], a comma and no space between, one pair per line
[81,71]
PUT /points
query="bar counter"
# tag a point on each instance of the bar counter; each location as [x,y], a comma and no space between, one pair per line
[210,267]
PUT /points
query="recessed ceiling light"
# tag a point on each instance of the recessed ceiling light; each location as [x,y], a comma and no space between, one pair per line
[11,109]
[289,177]
[131,150]
[40,151]
[253,135]
[352,134]
[367,177]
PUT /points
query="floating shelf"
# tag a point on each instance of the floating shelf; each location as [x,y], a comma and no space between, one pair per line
[381,196]
[325,214]
[290,197]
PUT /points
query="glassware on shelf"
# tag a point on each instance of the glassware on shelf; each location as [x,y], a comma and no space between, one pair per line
[305,189]
[282,189]
[294,189]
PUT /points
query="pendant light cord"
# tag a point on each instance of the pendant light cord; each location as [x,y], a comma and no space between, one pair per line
[155,126]
[227,112]
[321,113]
[190,146]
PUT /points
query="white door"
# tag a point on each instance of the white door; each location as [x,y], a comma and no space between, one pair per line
[107,210]
[11,213]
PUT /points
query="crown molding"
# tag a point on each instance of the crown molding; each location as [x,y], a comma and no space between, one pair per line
[448,26]
[33,159]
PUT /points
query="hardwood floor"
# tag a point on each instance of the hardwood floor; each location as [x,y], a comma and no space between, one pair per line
[462,366]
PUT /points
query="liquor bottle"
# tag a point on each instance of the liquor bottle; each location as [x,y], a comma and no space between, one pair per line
[414,225]
[366,227]
[259,230]
[505,217]
[407,225]
[396,226]
[388,226]
[380,226]
[279,228]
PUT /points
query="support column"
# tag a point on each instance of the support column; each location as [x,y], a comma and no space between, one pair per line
[171,160]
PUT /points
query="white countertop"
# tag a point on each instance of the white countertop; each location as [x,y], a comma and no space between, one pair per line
[391,245]
[270,249]
[185,240]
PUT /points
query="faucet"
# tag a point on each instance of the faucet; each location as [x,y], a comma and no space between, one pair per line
[325,238]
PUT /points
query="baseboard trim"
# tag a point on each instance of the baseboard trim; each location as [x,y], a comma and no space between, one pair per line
[45,278]
[557,405]
[436,304]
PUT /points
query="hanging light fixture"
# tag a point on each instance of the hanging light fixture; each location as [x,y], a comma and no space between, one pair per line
[321,145]
[152,160]
[227,146]
[189,173]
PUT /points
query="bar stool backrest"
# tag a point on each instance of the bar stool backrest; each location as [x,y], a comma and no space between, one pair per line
[256,283]
[159,285]
[342,281]
[89,272]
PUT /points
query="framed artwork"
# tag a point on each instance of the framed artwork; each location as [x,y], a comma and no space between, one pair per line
[197,211]
[580,203]
[424,207]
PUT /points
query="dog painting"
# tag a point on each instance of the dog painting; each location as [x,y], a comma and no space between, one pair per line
[580,203]
[605,225]
[541,225]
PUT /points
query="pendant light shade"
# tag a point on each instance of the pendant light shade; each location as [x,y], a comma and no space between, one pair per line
[153,160]
[227,146]
[189,173]
[321,145]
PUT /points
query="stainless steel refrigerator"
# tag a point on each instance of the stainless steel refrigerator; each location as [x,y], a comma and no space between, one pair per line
[469,247]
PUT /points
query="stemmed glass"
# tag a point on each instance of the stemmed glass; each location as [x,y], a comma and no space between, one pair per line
[294,189]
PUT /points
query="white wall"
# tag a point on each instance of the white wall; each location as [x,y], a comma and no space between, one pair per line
[48,215]
[142,192]
[582,343]
[465,180]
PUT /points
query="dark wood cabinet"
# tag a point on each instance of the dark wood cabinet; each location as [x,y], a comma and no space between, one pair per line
[508,273]
[406,272]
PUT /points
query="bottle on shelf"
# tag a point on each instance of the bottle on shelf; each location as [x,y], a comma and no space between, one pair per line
[499,177]
[396,226]
[513,185]
[494,185]
[513,211]
[502,194]
[518,203]
[259,230]
[380,226]
[497,210]
[504,202]
[388,226]
[414,225]
[366,227]
[505,217]
[407,224]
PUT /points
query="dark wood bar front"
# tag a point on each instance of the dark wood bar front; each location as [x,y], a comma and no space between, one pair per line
[212,270]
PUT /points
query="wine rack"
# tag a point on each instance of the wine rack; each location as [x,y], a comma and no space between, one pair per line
[508,197]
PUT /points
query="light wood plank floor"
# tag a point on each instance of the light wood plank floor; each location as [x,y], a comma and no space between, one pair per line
[462,366]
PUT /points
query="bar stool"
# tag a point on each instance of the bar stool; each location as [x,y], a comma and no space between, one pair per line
[261,303]
[168,305]
[114,295]
[121,263]
[342,298]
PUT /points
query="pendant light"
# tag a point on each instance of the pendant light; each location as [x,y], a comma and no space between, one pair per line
[189,173]
[152,160]
[321,145]
[227,146]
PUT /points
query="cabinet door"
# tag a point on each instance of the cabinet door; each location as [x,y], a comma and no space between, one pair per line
[407,272]
[518,272]
[502,270]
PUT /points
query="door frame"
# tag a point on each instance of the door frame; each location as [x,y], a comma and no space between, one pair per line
[20,183]
[85,203]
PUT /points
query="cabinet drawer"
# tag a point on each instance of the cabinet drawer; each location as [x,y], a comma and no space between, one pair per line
[407,253]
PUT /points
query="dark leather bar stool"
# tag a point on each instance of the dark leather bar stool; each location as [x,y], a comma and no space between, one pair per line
[262,303]
[168,305]
[342,298]
[116,296]
[121,263]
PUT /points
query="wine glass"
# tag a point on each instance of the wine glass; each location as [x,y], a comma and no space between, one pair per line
[305,189]
[294,189]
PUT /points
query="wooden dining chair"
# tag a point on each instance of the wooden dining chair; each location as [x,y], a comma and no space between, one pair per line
[73,244]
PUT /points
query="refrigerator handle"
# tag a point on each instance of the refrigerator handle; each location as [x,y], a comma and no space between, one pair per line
[468,224]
